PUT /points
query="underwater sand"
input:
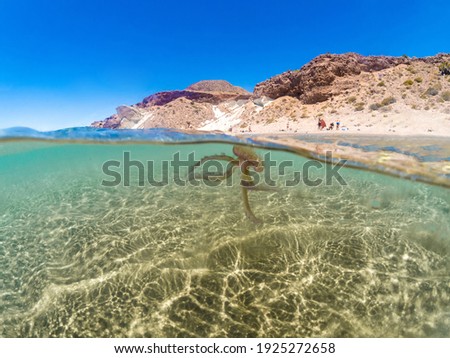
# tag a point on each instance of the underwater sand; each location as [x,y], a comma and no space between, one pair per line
[79,259]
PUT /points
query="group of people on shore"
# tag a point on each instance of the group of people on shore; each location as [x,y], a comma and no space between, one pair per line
[322,125]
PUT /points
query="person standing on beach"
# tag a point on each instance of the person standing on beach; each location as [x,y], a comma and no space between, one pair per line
[338,123]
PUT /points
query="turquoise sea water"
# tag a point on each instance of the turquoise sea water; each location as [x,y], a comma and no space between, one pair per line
[81,259]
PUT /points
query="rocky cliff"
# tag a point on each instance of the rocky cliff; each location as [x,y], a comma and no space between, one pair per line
[328,75]
[178,109]
[344,85]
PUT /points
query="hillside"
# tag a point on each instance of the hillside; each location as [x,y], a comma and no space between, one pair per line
[367,94]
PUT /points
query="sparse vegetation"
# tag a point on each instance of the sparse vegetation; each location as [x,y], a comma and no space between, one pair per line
[408,83]
[383,104]
[381,84]
[432,91]
[446,96]
[418,79]
[444,68]
[387,101]
[351,99]
[411,69]
[375,106]
[359,106]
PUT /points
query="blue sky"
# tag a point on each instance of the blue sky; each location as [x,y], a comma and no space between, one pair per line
[65,63]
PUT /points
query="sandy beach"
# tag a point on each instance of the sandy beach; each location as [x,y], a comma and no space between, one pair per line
[406,123]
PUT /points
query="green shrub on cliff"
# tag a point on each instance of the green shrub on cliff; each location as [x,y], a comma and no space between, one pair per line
[446,96]
[432,91]
[387,101]
[375,106]
[359,106]
[408,83]
[383,105]
[444,68]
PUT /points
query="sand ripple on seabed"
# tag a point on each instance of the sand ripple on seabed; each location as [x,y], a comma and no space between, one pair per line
[354,261]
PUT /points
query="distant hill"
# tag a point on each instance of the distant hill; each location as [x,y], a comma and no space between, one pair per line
[362,91]
[216,86]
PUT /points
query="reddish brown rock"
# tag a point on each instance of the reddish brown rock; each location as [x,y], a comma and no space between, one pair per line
[311,83]
[217,86]
[208,91]
[111,122]
[162,98]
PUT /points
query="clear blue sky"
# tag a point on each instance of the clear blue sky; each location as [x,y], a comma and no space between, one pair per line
[66,63]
